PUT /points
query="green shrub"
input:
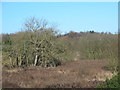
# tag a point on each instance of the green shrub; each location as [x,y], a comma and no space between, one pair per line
[111,83]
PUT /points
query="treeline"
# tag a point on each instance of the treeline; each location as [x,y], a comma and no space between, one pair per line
[93,46]
[40,45]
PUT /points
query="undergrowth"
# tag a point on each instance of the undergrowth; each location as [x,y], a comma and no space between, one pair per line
[114,82]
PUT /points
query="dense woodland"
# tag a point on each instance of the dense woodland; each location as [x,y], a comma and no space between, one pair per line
[38,44]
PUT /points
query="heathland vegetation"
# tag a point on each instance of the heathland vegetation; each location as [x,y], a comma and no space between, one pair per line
[38,44]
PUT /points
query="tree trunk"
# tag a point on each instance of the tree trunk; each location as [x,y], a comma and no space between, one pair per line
[11,62]
[26,61]
[20,61]
[35,60]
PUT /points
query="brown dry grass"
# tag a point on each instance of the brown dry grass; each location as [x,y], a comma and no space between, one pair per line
[82,73]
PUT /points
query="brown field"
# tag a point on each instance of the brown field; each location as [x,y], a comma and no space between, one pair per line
[74,74]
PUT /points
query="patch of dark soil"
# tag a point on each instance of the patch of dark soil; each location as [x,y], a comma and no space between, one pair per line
[105,68]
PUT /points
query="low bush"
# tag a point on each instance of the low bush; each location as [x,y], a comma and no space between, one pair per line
[111,83]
